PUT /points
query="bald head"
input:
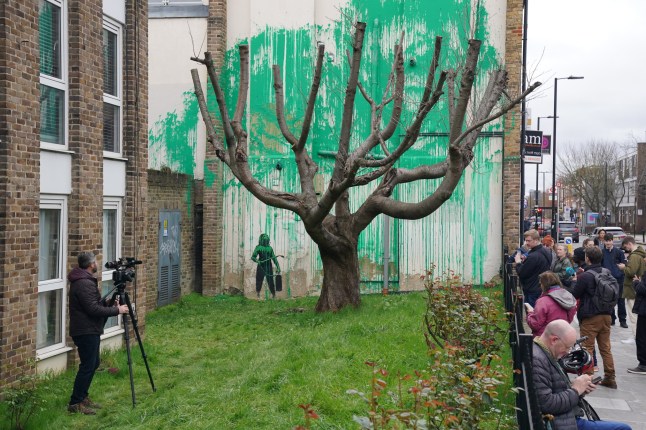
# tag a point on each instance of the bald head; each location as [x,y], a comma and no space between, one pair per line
[559,336]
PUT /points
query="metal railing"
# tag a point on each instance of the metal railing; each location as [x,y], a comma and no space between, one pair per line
[528,413]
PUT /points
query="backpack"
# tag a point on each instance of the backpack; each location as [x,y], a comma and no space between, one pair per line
[607,292]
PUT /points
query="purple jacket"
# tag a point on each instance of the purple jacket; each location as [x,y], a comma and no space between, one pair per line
[555,304]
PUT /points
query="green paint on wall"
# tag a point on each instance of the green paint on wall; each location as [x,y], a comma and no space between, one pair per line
[172,140]
[294,50]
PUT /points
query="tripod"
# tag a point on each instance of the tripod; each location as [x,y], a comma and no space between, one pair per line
[123,297]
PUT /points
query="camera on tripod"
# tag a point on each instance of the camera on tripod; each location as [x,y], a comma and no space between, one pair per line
[124,269]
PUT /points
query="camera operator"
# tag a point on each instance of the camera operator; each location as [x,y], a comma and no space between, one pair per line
[88,314]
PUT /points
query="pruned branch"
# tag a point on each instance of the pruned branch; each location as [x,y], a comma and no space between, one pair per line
[212,136]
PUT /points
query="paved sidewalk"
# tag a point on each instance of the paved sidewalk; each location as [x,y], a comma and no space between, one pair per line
[628,402]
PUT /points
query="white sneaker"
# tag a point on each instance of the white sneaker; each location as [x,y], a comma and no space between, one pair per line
[628,341]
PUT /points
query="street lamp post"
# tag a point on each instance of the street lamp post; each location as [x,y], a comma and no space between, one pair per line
[537,164]
[555,216]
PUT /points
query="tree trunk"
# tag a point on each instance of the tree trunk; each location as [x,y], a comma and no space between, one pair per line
[340,280]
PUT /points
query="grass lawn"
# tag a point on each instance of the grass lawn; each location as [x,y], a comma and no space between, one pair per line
[233,363]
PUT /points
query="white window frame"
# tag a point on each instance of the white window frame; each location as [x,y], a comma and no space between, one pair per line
[117,99]
[60,283]
[114,203]
[62,82]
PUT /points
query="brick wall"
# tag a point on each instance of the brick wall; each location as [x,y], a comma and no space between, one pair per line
[511,157]
[135,135]
[85,204]
[212,215]
[171,191]
[19,186]
[20,159]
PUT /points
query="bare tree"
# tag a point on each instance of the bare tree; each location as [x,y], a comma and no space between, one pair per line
[591,172]
[328,218]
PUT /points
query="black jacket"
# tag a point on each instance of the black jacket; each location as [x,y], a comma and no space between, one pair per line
[554,394]
[87,313]
[539,260]
[639,307]
[584,289]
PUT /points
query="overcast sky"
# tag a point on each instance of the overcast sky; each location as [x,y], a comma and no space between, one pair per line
[605,42]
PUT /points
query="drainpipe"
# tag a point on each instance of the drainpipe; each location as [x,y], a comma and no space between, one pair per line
[386,253]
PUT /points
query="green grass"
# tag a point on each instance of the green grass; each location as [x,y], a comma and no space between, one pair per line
[234,363]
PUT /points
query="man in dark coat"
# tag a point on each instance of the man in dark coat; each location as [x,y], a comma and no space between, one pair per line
[614,260]
[88,314]
[558,396]
[538,260]
[594,323]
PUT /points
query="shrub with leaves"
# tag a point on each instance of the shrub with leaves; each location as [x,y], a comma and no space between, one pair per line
[22,398]
[464,332]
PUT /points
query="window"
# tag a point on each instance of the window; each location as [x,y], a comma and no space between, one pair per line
[50,331]
[111,249]
[112,101]
[52,42]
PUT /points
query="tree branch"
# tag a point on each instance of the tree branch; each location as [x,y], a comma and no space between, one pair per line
[309,110]
[466,85]
[206,116]
[280,108]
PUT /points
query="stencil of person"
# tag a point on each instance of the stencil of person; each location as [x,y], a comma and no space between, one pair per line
[263,255]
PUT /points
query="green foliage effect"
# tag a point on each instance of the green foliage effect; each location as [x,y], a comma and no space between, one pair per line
[233,363]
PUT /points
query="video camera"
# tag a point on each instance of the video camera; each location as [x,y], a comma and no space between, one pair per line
[124,269]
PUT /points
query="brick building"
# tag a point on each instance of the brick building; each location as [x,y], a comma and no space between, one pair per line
[73,157]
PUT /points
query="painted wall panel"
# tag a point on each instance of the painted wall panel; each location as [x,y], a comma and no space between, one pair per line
[176,135]
[459,235]
[464,235]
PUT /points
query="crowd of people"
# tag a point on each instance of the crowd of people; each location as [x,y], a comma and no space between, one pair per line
[557,287]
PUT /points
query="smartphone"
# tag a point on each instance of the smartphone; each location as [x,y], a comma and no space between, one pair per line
[596,380]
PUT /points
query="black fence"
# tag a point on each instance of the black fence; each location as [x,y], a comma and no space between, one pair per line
[528,413]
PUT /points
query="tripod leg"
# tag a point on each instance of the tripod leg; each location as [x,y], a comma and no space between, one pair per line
[126,336]
[141,345]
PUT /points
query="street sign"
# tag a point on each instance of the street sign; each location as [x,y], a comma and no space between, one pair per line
[568,243]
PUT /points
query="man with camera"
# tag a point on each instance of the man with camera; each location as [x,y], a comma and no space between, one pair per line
[88,313]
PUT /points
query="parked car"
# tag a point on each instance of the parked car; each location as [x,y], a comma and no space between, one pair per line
[568,228]
[618,234]
[544,229]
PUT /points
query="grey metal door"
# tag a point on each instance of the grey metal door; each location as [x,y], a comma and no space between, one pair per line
[168,289]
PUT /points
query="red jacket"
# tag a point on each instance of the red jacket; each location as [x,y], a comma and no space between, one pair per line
[555,304]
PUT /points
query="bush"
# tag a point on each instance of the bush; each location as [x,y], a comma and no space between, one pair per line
[22,398]
[465,333]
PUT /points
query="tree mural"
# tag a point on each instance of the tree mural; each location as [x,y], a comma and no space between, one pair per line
[327,217]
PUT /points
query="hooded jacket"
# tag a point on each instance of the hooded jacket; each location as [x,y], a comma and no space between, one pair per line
[556,303]
[634,266]
[87,313]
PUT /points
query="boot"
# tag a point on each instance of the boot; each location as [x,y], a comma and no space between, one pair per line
[609,383]
[90,404]
[79,408]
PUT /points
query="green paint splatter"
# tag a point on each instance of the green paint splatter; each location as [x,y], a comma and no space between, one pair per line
[464,217]
[172,140]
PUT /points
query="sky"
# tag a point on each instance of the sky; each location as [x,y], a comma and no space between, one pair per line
[603,41]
